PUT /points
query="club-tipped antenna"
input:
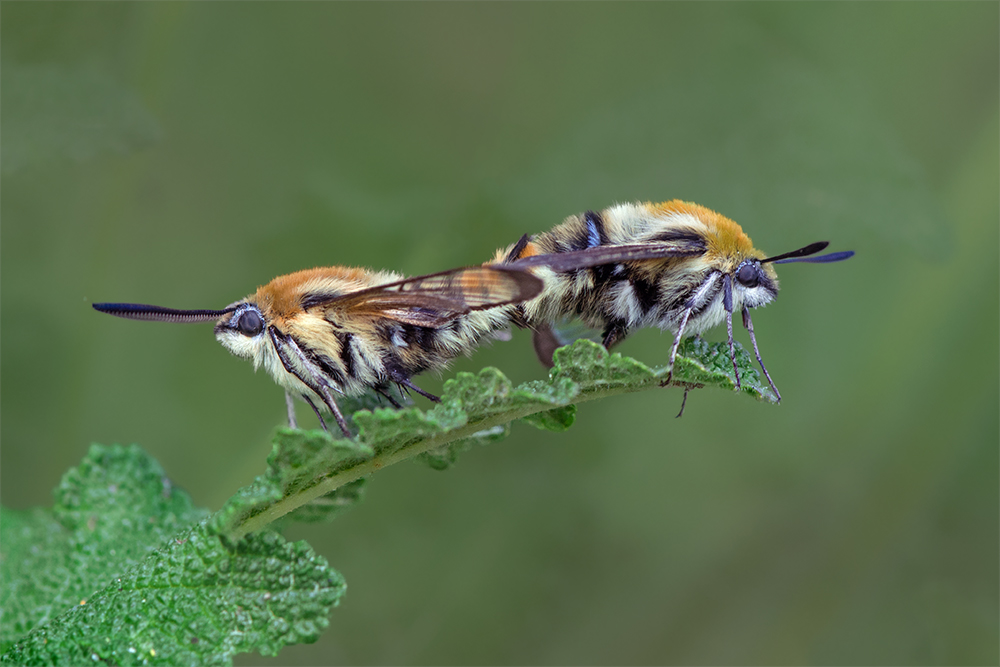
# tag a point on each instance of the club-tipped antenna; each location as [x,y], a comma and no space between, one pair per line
[822,259]
[803,255]
[140,311]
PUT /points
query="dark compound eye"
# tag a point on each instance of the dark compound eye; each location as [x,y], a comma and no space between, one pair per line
[250,323]
[748,275]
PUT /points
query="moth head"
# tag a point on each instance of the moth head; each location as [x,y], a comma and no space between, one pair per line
[757,282]
[754,282]
[243,331]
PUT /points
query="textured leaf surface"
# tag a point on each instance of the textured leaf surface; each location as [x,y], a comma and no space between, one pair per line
[307,468]
[556,419]
[708,364]
[298,460]
[124,571]
[110,513]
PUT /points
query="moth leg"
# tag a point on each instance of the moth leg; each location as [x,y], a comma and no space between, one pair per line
[683,402]
[290,404]
[400,377]
[332,404]
[384,391]
[732,348]
[409,385]
[320,385]
[701,296]
[316,410]
[615,333]
[545,343]
[727,303]
[677,342]
[753,339]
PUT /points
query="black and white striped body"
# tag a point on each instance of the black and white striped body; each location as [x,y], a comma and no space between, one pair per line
[701,254]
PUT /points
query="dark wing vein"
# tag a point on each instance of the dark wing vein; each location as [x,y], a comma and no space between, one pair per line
[434,299]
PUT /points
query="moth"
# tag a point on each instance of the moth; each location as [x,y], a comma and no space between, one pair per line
[674,265]
[333,331]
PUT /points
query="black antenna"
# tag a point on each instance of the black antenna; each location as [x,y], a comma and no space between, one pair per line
[139,311]
[802,255]
[822,259]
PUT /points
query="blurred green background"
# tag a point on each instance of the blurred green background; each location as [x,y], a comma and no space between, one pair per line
[181,154]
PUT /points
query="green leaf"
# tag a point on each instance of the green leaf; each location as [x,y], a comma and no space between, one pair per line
[708,364]
[325,508]
[487,395]
[110,513]
[591,366]
[124,570]
[557,419]
[444,457]
[386,431]
[298,460]
[474,409]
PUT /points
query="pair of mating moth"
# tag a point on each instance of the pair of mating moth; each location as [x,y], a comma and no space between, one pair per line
[328,331]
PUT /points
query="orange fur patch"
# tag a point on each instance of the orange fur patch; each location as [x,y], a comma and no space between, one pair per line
[725,237]
[500,257]
[282,297]
[530,250]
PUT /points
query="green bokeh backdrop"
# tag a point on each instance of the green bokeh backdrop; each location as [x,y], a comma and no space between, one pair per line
[182,154]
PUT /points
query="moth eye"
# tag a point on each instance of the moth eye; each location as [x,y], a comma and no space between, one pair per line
[250,323]
[748,275]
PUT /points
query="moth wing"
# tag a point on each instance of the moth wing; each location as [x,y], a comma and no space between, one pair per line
[612,254]
[436,299]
